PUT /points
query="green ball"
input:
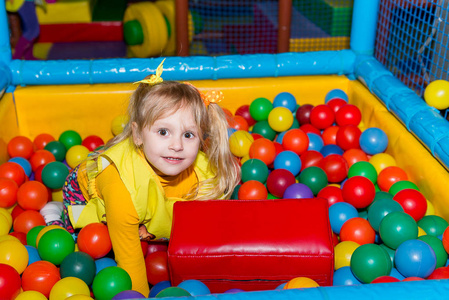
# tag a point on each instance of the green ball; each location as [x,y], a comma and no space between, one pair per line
[80,265]
[433,225]
[265,130]
[396,228]
[365,169]
[314,177]
[32,235]
[109,282]
[370,261]
[402,185]
[70,138]
[295,124]
[57,149]
[260,108]
[437,245]
[271,197]
[363,213]
[235,192]
[172,291]
[379,209]
[382,195]
[254,169]
[55,245]
[54,174]
[391,252]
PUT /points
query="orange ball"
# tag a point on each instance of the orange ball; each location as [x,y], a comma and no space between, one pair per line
[354,155]
[94,240]
[27,220]
[238,123]
[300,282]
[390,175]
[357,230]
[32,195]
[295,140]
[40,158]
[263,149]
[20,146]
[41,140]
[40,276]
[252,190]
[329,135]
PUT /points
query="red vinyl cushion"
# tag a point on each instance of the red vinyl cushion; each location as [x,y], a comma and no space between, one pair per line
[251,244]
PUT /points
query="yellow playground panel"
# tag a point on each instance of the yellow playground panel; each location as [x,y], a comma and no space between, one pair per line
[90,109]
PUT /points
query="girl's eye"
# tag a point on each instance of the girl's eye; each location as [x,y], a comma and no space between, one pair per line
[189,135]
[163,132]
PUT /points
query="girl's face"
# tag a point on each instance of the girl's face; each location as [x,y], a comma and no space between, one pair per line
[171,144]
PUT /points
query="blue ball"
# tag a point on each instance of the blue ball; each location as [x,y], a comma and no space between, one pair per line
[280,137]
[335,93]
[162,285]
[285,99]
[298,191]
[331,149]
[195,287]
[343,276]
[415,258]
[281,286]
[339,213]
[104,262]
[373,141]
[33,254]
[231,131]
[288,160]
[315,142]
[24,163]
[395,273]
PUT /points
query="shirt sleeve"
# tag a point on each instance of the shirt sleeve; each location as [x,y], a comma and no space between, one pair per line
[123,226]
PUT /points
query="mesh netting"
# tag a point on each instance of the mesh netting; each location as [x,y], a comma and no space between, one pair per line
[251,26]
[412,40]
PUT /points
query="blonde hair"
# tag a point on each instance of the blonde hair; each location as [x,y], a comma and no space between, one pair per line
[148,103]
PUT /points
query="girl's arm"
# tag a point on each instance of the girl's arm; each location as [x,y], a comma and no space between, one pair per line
[123,226]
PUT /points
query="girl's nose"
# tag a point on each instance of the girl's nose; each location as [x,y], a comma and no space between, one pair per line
[176,144]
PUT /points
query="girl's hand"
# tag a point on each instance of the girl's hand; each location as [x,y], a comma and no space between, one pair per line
[144,234]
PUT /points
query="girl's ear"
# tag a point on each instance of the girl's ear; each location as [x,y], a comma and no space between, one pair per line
[136,134]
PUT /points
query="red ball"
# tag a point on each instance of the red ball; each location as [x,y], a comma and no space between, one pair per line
[413,278]
[336,103]
[329,135]
[390,175]
[8,192]
[38,174]
[41,158]
[256,136]
[92,142]
[322,116]
[32,195]
[348,114]
[238,123]
[22,237]
[157,267]
[333,194]
[357,230]
[278,181]
[335,239]
[384,279]
[252,190]
[13,171]
[20,146]
[440,273]
[335,166]
[10,282]
[41,140]
[354,155]
[40,276]
[94,240]
[244,112]
[295,140]
[413,203]
[309,128]
[359,191]
[27,220]
[16,211]
[303,114]
[263,149]
[445,239]
[153,246]
[348,137]
[310,158]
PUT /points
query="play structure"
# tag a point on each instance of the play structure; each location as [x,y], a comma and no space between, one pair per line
[385,84]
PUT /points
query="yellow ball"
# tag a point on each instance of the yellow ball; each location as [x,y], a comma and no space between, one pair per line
[436,94]
[5,225]
[244,159]
[6,214]
[343,252]
[67,287]
[8,237]
[45,230]
[79,297]
[15,254]
[75,155]
[280,119]
[430,208]
[381,161]
[421,232]
[31,295]
[56,195]
[301,282]
[240,142]
[118,124]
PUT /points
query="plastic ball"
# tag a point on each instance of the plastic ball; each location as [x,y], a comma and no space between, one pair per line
[194,287]
[10,282]
[415,258]
[381,161]
[348,114]
[20,146]
[8,192]
[348,137]
[118,124]
[343,252]
[438,273]
[379,209]
[104,262]
[295,140]
[12,171]
[40,276]
[413,203]
[357,230]
[41,140]
[14,253]
[300,283]
[27,220]
[94,240]
[75,155]
[54,174]
[358,191]
[285,99]
[339,213]
[109,282]
[55,245]
[333,194]
[298,191]
[396,228]
[92,142]
[158,287]
[331,149]
[370,261]
[278,181]
[315,142]
[345,277]
[32,195]
[128,294]
[314,177]
[389,176]
[433,225]
[303,113]
[280,119]
[41,158]
[322,116]
[310,158]
[243,111]
[24,163]
[67,287]
[353,156]
[263,128]
[57,149]
[329,135]
[336,103]
[44,230]
[436,94]
[80,265]
[157,267]
[364,169]
[437,245]
[260,108]
[31,295]
[252,190]
[70,138]
[254,169]
[373,141]
[173,292]
[385,279]
[263,149]
[335,93]
[402,185]
[288,160]
[240,143]
[33,254]
[335,166]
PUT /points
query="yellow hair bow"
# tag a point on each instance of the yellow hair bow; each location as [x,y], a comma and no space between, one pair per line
[155,78]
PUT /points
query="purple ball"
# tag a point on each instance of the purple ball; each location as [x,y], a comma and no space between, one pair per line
[231,291]
[129,294]
[298,191]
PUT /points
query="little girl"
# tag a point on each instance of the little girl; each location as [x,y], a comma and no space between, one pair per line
[174,148]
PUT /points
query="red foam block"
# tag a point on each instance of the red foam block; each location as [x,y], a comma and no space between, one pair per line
[251,245]
[81,32]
